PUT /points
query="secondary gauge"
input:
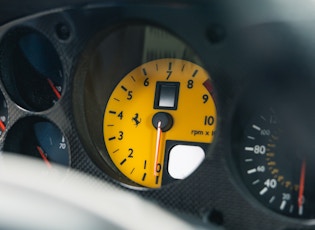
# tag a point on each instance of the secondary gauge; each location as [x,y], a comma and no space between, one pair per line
[158,121]
[31,69]
[276,161]
[38,137]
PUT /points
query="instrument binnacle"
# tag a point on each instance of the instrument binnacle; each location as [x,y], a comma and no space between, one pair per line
[149,113]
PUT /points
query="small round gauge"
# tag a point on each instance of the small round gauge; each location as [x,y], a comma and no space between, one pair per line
[31,69]
[38,137]
[3,114]
[276,161]
[159,120]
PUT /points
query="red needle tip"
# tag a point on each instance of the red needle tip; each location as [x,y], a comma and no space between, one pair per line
[301,187]
[42,154]
[53,87]
[2,126]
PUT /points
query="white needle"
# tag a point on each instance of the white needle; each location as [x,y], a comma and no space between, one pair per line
[157,148]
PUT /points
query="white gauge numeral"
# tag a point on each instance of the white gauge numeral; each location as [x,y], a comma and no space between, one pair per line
[261,168]
[286,196]
[259,149]
[271,183]
[265,132]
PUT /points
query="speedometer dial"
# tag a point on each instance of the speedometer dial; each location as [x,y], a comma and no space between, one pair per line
[276,166]
[158,120]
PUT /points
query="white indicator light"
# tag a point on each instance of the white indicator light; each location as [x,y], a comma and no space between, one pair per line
[184,160]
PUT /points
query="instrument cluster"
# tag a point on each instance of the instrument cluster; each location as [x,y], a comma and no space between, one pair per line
[205,119]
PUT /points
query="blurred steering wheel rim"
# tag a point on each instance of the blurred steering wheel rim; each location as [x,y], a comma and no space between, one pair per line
[33,196]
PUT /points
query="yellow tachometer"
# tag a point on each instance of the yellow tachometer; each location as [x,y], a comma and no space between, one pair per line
[156,120]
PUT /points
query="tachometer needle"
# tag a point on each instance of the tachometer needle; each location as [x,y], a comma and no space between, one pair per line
[301,187]
[157,148]
[42,154]
[53,87]
[2,126]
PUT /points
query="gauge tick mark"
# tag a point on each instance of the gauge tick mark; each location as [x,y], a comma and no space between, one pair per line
[144,176]
[124,88]
[170,65]
[283,204]
[263,191]
[111,138]
[251,171]
[195,73]
[144,71]
[183,68]
[256,127]
[251,138]
[272,199]
[123,161]
[249,149]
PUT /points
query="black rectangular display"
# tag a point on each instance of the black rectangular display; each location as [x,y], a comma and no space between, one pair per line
[166,95]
